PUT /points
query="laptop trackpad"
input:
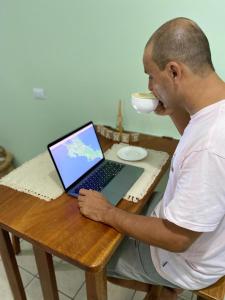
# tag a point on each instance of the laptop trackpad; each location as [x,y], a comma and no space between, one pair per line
[121,183]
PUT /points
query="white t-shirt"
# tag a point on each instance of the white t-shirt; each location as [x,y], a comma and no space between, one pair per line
[195,199]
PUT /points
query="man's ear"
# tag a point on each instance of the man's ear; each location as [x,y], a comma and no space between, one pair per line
[174,71]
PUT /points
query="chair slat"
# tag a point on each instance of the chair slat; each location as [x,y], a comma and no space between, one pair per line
[213,292]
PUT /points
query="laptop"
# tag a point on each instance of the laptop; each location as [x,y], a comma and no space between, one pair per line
[80,163]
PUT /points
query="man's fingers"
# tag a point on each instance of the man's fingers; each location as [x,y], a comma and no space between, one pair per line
[85,192]
[79,200]
[160,108]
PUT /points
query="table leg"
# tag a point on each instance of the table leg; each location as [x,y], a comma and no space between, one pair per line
[96,285]
[11,267]
[47,274]
[16,244]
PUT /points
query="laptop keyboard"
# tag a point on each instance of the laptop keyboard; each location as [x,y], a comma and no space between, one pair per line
[101,177]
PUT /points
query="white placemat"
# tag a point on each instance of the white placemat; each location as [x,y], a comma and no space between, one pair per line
[39,178]
[36,177]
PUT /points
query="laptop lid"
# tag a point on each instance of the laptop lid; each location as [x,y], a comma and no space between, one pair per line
[76,154]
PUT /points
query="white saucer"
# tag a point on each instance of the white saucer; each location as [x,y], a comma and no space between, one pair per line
[132,153]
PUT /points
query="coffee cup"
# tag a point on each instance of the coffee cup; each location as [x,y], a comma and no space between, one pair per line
[144,102]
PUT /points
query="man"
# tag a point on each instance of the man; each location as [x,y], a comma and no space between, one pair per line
[185,230]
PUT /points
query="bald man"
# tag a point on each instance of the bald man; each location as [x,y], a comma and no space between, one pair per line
[179,241]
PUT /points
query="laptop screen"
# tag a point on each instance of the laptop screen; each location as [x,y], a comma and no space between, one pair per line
[76,153]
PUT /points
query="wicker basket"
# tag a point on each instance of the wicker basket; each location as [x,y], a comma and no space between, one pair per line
[6,160]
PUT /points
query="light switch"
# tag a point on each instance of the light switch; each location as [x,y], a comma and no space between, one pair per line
[39,93]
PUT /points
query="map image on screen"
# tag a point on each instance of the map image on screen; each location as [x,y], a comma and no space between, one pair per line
[76,154]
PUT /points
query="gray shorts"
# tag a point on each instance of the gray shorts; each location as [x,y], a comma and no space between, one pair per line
[132,260]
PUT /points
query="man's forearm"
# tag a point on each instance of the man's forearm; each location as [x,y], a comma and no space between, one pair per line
[151,230]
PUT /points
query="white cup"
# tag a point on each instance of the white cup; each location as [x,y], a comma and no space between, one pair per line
[144,102]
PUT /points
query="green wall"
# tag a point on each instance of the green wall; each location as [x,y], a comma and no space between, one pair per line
[86,54]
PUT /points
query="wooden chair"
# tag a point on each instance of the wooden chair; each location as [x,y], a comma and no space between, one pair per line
[213,292]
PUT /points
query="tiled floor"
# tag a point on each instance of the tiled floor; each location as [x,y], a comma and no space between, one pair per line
[70,281]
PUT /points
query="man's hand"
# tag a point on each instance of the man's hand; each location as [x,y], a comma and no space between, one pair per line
[162,110]
[179,116]
[93,205]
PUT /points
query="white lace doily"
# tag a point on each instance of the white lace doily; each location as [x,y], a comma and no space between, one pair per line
[152,164]
[39,178]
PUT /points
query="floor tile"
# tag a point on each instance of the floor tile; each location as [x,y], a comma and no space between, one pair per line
[25,258]
[139,295]
[64,297]
[34,292]
[115,292]
[69,278]
[5,291]
[187,295]
[26,277]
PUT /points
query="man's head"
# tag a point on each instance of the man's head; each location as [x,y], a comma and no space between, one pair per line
[182,40]
[179,47]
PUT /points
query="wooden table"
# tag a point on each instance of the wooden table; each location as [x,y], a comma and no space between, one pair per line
[58,228]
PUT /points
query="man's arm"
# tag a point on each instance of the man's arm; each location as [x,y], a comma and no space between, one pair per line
[153,231]
[179,116]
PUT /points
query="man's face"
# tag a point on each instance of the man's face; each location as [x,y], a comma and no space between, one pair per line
[159,82]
